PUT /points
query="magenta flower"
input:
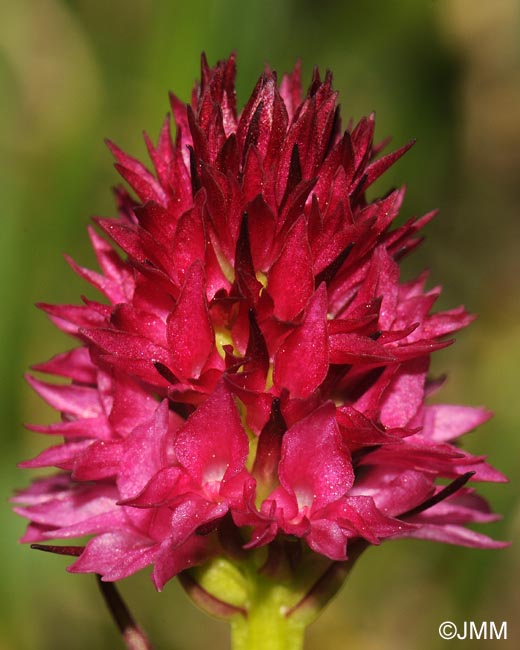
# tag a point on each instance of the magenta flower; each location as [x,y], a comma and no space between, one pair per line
[256,375]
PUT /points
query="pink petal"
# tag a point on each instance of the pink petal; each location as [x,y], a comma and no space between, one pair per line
[393,491]
[169,560]
[142,454]
[327,538]
[132,405]
[99,460]
[363,518]
[79,401]
[445,422]
[315,464]
[75,364]
[192,513]
[102,523]
[452,534]
[62,456]
[405,393]
[95,428]
[161,490]
[115,555]
[213,444]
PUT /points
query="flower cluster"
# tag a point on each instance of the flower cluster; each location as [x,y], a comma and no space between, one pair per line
[256,368]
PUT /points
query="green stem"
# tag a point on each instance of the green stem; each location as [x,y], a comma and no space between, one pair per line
[270,595]
[266,624]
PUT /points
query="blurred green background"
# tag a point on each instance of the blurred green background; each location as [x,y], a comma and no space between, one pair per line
[446,72]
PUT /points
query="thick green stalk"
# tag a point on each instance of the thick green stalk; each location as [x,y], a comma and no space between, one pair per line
[266,624]
[269,595]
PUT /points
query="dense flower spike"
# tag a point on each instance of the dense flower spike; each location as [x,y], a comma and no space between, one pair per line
[256,371]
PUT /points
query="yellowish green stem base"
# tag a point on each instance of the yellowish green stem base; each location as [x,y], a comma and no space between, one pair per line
[266,624]
[268,595]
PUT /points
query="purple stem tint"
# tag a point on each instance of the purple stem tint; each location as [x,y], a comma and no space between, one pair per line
[133,637]
[446,492]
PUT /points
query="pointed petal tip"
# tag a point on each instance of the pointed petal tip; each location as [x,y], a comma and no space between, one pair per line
[112,146]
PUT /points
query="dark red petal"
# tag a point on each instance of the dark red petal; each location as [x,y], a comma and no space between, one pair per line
[136,174]
[291,279]
[378,167]
[302,361]
[189,327]
[355,349]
